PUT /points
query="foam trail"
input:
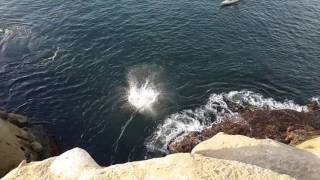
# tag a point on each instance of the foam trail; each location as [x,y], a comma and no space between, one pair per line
[51,58]
[123,128]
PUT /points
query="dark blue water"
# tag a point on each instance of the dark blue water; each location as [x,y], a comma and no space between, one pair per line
[66,62]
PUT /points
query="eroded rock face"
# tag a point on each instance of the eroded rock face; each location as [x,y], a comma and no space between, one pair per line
[286,126]
[77,164]
[264,153]
[19,140]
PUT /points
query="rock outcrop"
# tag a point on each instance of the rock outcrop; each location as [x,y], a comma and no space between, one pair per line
[77,164]
[221,157]
[286,126]
[19,140]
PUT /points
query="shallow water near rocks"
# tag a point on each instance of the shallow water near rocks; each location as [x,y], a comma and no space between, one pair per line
[66,63]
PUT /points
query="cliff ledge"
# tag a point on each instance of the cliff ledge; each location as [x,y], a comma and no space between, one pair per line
[223,156]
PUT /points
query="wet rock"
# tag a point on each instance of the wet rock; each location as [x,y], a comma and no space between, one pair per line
[23,134]
[313,106]
[18,120]
[234,107]
[3,113]
[297,135]
[190,140]
[286,126]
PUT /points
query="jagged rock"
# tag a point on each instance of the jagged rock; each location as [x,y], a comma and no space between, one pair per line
[264,153]
[313,106]
[77,164]
[296,135]
[286,126]
[190,140]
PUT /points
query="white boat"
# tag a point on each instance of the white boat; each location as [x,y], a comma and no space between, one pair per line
[229,2]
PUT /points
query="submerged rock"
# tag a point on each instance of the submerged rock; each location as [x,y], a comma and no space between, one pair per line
[19,140]
[286,126]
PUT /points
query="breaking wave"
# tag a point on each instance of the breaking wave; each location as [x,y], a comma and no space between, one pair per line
[214,111]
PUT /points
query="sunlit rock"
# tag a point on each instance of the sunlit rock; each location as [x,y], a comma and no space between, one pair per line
[264,153]
[77,164]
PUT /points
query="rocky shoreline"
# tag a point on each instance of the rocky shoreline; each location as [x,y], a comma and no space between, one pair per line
[252,144]
[21,139]
[220,157]
[285,126]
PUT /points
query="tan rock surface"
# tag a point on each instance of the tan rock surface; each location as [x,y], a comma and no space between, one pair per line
[264,153]
[188,166]
[77,164]
[312,145]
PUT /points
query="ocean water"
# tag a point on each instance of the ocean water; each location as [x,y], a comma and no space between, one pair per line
[71,63]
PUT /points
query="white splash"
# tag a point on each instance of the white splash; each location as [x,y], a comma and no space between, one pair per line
[142,97]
